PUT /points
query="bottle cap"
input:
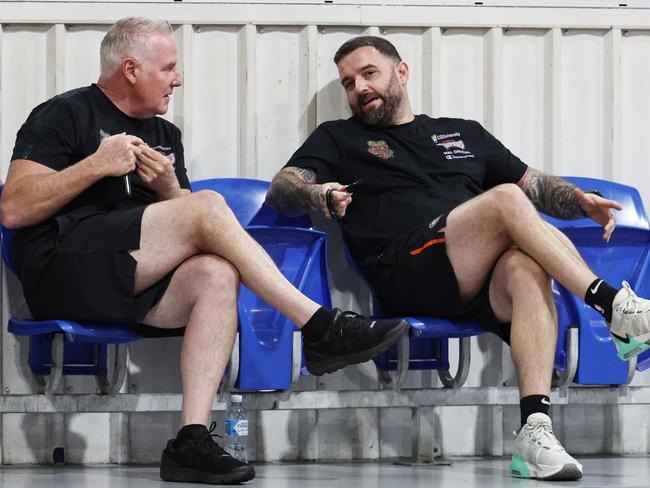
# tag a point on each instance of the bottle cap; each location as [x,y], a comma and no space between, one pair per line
[236,398]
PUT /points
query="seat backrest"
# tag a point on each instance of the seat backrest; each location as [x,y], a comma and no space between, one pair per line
[246,198]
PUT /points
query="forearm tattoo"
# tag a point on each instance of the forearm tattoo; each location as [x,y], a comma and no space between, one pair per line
[291,190]
[552,195]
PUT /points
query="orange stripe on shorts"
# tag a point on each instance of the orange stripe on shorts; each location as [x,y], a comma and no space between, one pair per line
[427,244]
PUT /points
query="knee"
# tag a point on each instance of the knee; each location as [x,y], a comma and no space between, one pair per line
[509,198]
[213,276]
[207,209]
[207,202]
[523,272]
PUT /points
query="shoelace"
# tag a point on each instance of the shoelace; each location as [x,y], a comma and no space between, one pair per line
[543,435]
[208,445]
[633,304]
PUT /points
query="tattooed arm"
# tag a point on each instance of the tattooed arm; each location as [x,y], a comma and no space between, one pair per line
[295,191]
[558,198]
[551,195]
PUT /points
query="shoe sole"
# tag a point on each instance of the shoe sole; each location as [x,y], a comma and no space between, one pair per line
[190,475]
[626,351]
[329,364]
[567,472]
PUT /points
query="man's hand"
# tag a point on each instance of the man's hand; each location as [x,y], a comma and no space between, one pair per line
[116,155]
[339,199]
[157,171]
[599,209]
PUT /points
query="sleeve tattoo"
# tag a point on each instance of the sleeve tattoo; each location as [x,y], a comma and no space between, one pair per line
[290,191]
[552,195]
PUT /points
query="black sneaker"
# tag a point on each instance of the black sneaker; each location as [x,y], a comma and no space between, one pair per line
[195,457]
[351,339]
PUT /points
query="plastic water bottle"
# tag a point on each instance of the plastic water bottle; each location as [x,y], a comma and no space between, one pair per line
[237,429]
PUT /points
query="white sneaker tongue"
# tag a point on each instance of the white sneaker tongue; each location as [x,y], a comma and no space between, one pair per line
[621,296]
[538,418]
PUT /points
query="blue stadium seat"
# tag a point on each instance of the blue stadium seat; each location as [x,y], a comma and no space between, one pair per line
[625,257]
[270,348]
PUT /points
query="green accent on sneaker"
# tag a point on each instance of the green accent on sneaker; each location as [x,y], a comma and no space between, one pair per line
[519,467]
[627,351]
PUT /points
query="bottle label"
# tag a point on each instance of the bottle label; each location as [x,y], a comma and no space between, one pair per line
[236,427]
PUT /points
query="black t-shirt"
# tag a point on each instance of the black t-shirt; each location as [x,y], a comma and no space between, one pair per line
[410,173]
[68,128]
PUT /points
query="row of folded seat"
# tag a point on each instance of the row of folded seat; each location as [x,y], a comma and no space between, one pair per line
[268,350]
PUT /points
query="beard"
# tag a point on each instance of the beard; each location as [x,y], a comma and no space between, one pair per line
[384,115]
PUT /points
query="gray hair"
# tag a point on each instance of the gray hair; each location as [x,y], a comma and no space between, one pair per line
[127,38]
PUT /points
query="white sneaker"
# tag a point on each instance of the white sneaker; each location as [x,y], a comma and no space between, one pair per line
[630,325]
[538,453]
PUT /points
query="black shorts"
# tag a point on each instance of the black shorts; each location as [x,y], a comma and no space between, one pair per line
[80,269]
[413,276]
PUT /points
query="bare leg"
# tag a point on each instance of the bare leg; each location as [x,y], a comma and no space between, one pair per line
[202,222]
[480,230]
[520,293]
[202,294]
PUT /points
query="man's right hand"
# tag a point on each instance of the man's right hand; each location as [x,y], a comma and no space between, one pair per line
[116,155]
[339,200]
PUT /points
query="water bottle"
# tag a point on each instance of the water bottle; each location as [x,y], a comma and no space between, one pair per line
[237,429]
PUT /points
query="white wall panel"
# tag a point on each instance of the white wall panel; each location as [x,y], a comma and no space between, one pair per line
[24,84]
[257,80]
[81,55]
[463,83]
[634,100]
[279,71]
[525,102]
[215,86]
[583,102]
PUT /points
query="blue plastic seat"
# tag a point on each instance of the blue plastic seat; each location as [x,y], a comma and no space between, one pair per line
[625,257]
[270,348]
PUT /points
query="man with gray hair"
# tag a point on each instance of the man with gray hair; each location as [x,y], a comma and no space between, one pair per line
[163,256]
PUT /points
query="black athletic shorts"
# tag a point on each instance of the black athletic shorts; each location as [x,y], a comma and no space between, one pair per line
[413,276]
[80,268]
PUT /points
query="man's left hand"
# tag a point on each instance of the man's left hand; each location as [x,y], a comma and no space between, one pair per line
[157,172]
[599,209]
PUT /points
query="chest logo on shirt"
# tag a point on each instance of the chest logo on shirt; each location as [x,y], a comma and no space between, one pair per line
[380,149]
[454,147]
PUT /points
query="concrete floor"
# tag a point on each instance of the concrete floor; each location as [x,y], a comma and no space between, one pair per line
[622,472]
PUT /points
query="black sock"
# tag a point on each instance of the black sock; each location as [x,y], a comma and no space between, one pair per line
[532,404]
[600,297]
[317,324]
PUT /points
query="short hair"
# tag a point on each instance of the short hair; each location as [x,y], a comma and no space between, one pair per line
[379,43]
[125,38]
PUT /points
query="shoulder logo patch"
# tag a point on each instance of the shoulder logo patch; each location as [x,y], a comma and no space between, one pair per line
[380,149]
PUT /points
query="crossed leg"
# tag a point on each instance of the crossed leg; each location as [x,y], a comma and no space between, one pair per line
[199,237]
[480,236]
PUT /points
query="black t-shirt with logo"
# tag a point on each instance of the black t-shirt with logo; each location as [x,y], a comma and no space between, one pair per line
[410,173]
[68,128]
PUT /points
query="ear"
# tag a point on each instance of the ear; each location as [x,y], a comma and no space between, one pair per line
[402,70]
[129,66]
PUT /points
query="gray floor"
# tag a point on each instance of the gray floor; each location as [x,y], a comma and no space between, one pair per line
[623,472]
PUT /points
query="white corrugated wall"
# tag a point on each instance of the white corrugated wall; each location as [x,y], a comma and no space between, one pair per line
[564,89]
